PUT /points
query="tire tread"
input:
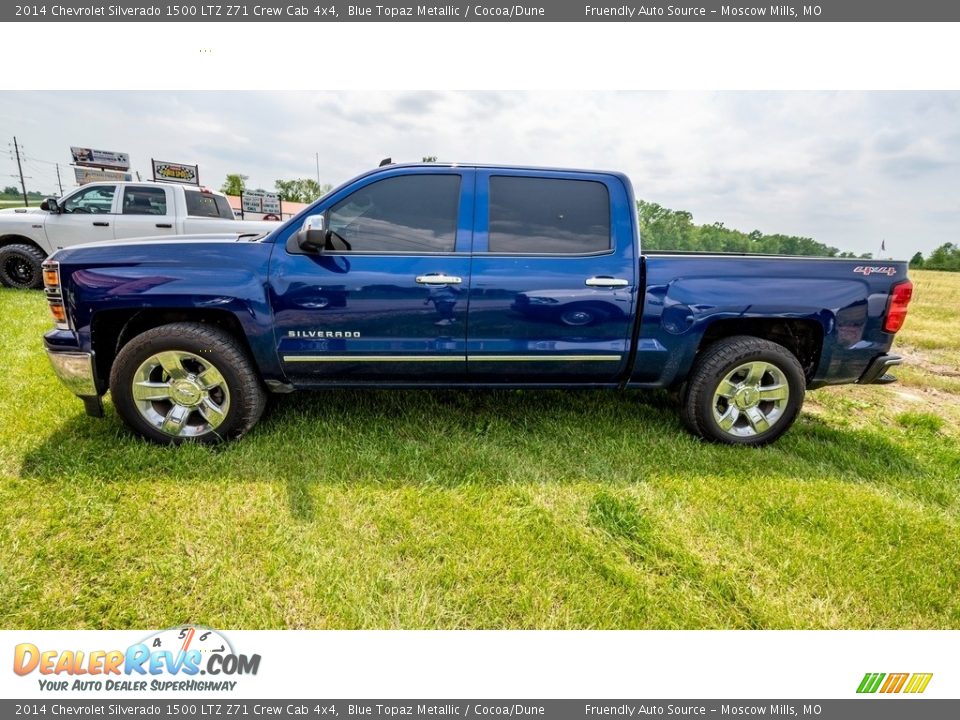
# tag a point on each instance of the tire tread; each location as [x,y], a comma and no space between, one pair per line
[724,354]
[250,391]
[31,250]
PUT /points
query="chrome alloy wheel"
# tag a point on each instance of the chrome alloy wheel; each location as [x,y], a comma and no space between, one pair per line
[751,399]
[180,394]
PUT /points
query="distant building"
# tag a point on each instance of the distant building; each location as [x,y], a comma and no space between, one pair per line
[289,209]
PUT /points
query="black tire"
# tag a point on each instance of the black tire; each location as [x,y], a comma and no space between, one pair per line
[198,347]
[21,266]
[703,410]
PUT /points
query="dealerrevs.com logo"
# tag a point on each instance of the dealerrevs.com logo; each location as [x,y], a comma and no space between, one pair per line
[186,658]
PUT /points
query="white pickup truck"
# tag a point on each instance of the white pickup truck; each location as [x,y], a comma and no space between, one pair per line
[109,211]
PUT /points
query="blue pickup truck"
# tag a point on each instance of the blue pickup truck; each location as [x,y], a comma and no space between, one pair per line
[433,275]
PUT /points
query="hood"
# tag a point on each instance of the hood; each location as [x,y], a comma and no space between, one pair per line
[194,268]
[257,226]
[172,240]
[164,249]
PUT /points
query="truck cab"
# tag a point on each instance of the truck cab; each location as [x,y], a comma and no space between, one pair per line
[427,252]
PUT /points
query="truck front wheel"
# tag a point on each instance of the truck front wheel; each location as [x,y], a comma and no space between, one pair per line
[743,391]
[186,382]
[20,266]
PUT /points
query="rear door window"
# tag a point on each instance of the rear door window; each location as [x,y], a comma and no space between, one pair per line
[144,201]
[548,216]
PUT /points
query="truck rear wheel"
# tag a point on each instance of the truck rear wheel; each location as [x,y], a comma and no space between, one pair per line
[186,382]
[743,391]
[21,266]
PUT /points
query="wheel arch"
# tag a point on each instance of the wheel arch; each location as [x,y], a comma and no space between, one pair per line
[14,239]
[803,337]
[110,330]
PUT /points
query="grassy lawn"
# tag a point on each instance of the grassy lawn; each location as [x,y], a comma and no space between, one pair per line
[402,509]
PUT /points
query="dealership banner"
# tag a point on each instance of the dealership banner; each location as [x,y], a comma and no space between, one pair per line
[89,175]
[487,11]
[88,157]
[176,172]
[611,674]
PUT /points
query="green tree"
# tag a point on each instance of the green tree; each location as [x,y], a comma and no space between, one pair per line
[429,158]
[303,190]
[10,190]
[665,229]
[945,257]
[234,184]
[917,260]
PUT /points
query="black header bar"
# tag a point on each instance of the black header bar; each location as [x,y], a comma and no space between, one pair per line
[486,11]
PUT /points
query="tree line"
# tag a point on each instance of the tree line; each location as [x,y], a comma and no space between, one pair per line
[301,190]
[665,229]
[946,257]
[11,191]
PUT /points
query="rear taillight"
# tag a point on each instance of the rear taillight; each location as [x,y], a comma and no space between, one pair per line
[51,285]
[897,306]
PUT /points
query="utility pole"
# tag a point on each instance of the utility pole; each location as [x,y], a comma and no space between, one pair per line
[59,182]
[23,185]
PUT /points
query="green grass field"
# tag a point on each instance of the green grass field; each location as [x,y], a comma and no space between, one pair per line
[12,201]
[403,509]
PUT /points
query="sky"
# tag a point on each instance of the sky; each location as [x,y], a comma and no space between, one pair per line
[849,169]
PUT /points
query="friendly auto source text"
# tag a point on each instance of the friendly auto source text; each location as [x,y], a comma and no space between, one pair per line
[641,12]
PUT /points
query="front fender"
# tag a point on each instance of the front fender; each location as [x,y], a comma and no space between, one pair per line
[231,279]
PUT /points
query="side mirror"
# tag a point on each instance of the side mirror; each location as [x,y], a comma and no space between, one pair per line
[312,235]
[50,205]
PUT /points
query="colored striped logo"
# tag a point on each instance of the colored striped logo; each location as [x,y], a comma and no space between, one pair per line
[894,682]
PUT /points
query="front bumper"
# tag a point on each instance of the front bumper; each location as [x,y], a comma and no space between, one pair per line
[876,372]
[75,370]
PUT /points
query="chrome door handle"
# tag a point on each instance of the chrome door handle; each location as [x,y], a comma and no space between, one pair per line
[438,279]
[606,282]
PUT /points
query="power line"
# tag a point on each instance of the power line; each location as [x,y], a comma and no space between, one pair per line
[36,159]
[23,184]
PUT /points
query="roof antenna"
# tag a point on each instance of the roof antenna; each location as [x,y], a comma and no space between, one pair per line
[386,161]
